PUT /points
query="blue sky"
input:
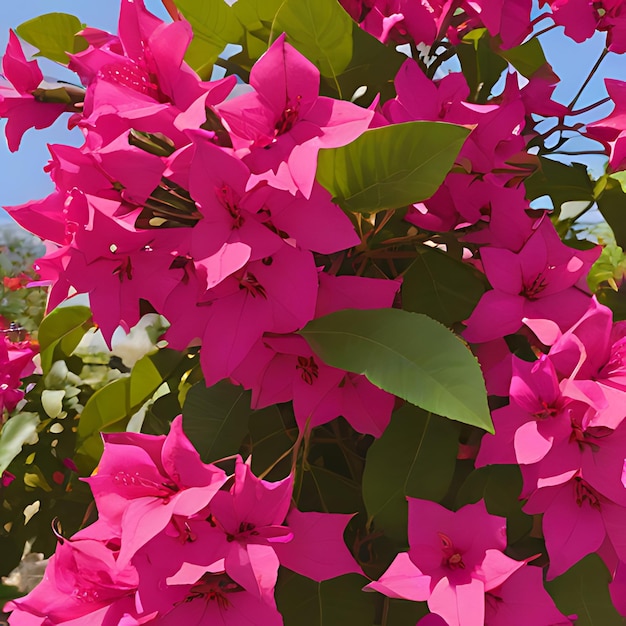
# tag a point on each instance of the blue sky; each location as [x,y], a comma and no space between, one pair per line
[21,174]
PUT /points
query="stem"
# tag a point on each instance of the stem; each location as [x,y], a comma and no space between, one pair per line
[172,10]
[284,455]
[543,31]
[594,69]
[591,106]
[442,58]
[385,612]
[578,152]
[539,19]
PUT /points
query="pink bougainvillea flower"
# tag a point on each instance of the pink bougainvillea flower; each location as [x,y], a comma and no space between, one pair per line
[527,427]
[537,282]
[576,521]
[284,122]
[143,481]
[82,580]
[581,19]
[510,20]
[610,130]
[17,100]
[284,368]
[402,20]
[594,453]
[16,362]
[215,598]
[251,516]
[453,559]
[588,358]
[522,600]
[317,549]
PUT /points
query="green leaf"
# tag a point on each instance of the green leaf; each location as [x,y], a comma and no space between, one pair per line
[373,65]
[16,431]
[499,486]
[612,204]
[390,167]
[62,329]
[270,441]
[216,418]
[337,602]
[563,183]
[257,19]
[404,612]
[609,268]
[416,457]
[320,29]
[329,492]
[620,177]
[441,287]
[482,66]
[54,35]
[108,406]
[583,590]
[149,373]
[527,59]
[214,25]
[407,354]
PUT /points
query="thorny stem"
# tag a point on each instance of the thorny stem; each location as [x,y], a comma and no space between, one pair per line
[594,69]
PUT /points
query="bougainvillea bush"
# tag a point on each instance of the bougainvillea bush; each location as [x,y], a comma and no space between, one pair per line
[379,373]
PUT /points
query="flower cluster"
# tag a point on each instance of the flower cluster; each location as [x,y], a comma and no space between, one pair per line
[198,200]
[432,20]
[205,208]
[178,540]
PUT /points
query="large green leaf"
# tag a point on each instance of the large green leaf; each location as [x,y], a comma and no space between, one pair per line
[407,354]
[373,65]
[482,66]
[257,18]
[216,418]
[390,167]
[110,407]
[54,35]
[16,431]
[528,58]
[337,602]
[61,331]
[612,204]
[415,456]
[583,590]
[441,287]
[319,29]
[563,183]
[214,25]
